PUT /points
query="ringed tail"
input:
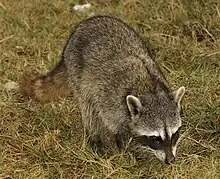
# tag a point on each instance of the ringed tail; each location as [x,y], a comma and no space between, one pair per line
[46,87]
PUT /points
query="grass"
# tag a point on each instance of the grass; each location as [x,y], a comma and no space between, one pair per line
[45,140]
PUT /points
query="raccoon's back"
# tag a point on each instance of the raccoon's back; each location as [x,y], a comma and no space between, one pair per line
[103,35]
[104,54]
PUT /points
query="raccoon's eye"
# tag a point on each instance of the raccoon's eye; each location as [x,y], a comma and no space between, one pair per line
[155,138]
[153,142]
[156,142]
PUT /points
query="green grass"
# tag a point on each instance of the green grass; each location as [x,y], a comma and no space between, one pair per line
[45,140]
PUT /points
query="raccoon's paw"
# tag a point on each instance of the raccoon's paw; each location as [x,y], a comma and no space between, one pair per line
[99,150]
[97,146]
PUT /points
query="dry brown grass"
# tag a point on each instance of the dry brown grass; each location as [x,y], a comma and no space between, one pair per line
[44,140]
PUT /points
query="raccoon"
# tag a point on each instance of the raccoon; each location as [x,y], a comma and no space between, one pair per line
[119,87]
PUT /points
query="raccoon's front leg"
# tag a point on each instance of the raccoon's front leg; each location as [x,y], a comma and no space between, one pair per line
[93,131]
[121,138]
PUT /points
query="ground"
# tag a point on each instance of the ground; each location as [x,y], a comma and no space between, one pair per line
[45,140]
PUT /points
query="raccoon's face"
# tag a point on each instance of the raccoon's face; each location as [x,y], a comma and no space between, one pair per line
[155,122]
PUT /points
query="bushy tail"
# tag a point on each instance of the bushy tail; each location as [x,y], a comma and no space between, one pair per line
[46,87]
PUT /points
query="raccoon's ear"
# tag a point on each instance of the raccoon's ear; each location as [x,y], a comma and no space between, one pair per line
[134,105]
[178,94]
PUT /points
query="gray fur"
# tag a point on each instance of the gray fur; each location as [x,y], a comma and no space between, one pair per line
[106,60]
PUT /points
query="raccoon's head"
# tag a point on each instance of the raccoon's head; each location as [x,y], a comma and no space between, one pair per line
[155,121]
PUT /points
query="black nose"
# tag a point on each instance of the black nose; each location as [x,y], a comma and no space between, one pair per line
[169,160]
